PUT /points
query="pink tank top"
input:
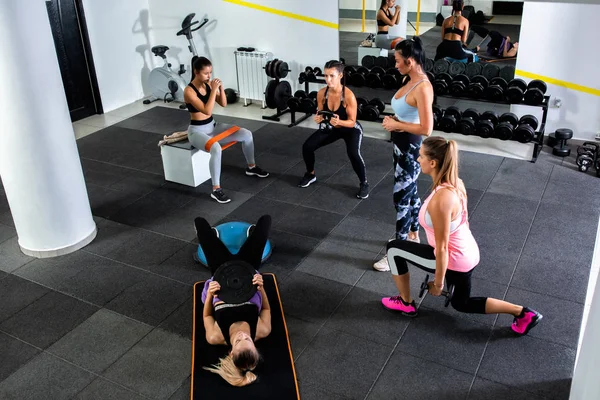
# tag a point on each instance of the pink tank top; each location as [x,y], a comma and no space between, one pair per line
[463,252]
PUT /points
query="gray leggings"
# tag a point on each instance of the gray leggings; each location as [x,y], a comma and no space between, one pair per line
[198,135]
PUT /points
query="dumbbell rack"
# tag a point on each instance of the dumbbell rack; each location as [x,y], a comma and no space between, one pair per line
[538,139]
[306,115]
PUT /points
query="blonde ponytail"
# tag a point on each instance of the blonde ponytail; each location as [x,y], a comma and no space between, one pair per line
[445,152]
[232,374]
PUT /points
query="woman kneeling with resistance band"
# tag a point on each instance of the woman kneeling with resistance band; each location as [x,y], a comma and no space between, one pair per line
[200,97]
[336,98]
[235,325]
[452,251]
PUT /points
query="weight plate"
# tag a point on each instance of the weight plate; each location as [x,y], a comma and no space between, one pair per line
[378,71]
[448,123]
[437,111]
[491,116]
[283,70]
[301,94]
[358,80]
[440,87]
[493,93]
[523,133]
[381,61]
[514,95]
[485,129]
[467,126]
[441,66]
[520,83]
[267,66]
[428,64]
[235,279]
[473,69]
[499,81]
[349,70]
[389,82]
[454,111]
[368,61]
[308,70]
[317,71]
[503,131]
[475,90]
[537,84]
[563,134]
[444,77]
[490,71]
[293,104]
[462,78]
[561,151]
[533,97]
[457,88]
[308,106]
[471,113]
[302,78]
[271,65]
[361,101]
[456,68]
[530,120]
[509,117]
[313,95]
[377,102]
[362,70]
[270,94]
[370,113]
[374,81]
[507,72]
[482,80]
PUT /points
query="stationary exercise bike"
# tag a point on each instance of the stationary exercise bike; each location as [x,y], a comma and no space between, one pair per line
[166,84]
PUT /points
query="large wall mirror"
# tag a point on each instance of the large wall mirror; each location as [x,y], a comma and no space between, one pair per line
[489,22]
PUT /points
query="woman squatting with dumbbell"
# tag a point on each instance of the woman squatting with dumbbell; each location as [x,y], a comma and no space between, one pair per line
[452,252]
[413,119]
[336,116]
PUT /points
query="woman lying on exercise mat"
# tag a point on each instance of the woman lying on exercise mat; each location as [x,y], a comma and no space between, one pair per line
[235,325]
[497,45]
[385,19]
[336,98]
[452,251]
[455,31]
[200,97]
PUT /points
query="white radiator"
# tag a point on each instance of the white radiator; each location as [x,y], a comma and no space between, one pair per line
[251,75]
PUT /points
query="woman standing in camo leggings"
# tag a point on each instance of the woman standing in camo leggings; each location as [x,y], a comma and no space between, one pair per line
[413,119]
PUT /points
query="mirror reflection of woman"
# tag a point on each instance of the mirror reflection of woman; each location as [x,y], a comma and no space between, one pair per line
[385,19]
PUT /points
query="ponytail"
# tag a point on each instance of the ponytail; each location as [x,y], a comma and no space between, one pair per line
[445,152]
[412,47]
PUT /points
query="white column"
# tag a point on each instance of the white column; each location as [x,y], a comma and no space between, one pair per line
[39,161]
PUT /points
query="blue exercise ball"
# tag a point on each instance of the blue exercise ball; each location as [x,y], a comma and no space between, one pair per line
[233,235]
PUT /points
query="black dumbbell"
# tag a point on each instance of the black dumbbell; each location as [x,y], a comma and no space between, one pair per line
[515,91]
[313,95]
[486,124]
[448,294]
[437,116]
[495,90]
[473,69]
[382,62]
[506,125]
[468,122]
[477,86]
[359,78]
[374,77]
[442,83]
[459,84]
[449,122]
[535,92]
[392,78]
[368,61]
[587,155]
[379,104]
[457,68]
[490,71]
[525,130]
[562,136]
[441,66]
[360,103]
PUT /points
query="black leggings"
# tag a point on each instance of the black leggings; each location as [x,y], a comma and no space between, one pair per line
[324,137]
[452,49]
[423,257]
[218,254]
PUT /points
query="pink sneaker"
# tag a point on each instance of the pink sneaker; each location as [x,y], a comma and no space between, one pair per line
[527,320]
[395,303]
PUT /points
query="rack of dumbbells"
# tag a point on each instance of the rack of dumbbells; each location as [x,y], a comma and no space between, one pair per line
[486,82]
[277,91]
[588,155]
[305,101]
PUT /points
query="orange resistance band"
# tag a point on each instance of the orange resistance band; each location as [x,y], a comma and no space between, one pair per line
[220,136]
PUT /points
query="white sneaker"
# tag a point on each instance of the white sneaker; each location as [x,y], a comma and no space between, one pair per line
[382,265]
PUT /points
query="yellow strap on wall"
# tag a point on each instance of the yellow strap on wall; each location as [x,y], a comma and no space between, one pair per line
[558,82]
[286,14]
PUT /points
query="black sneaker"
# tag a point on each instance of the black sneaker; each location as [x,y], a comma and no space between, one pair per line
[219,196]
[363,191]
[307,180]
[257,171]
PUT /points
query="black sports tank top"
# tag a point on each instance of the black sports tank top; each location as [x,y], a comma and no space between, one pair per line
[204,98]
[341,111]
[228,314]
[387,14]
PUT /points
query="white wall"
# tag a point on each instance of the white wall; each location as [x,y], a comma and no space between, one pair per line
[298,43]
[429,6]
[121,49]
[566,57]
[357,4]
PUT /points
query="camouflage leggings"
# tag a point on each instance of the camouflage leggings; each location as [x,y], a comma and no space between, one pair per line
[406,198]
